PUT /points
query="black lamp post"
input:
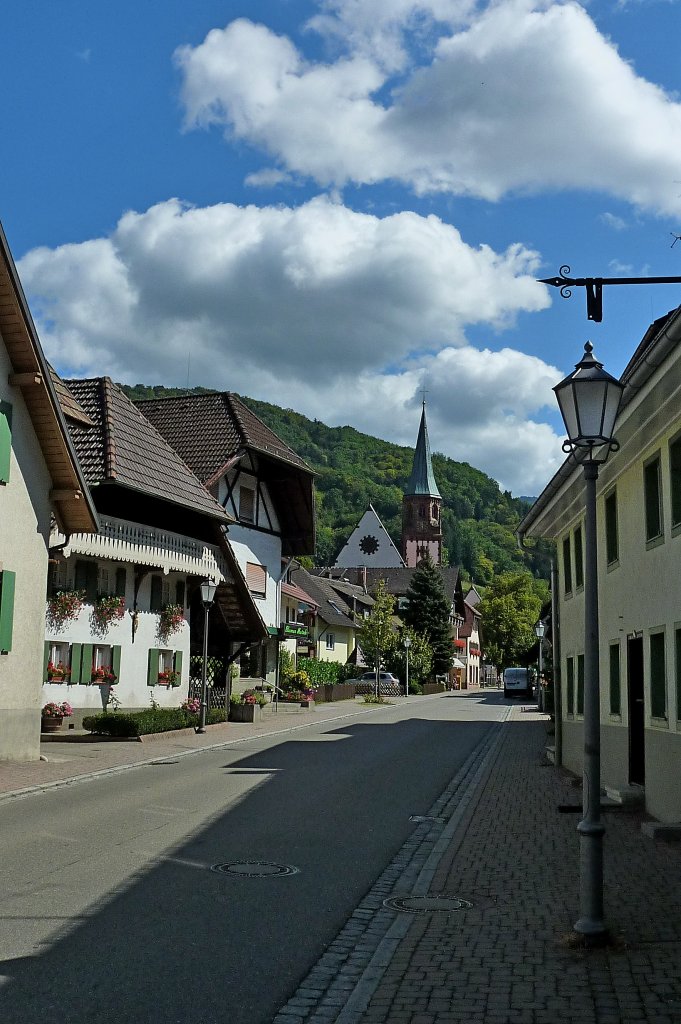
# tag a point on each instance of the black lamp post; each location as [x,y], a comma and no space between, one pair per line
[539,633]
[407,645]
[208,588]
[589,401]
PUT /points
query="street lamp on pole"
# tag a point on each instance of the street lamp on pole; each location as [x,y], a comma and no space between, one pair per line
[539,633]
[208,588]
[589,400]
[407,645]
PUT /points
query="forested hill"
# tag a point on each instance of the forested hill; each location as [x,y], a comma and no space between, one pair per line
[355,469]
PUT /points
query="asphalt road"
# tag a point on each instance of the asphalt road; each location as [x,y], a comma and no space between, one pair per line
[110,911]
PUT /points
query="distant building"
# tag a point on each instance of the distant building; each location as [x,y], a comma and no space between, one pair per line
[369,545]
[421,506]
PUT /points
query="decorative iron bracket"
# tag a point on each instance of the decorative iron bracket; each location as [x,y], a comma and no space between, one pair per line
[594,288]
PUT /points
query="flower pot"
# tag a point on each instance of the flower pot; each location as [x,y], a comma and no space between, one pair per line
[52,723]
[244,713]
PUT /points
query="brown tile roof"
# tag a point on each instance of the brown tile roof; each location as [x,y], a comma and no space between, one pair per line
[332,608]
[227,427]
[213,431]
[123,447]
[397,579]
[69,406]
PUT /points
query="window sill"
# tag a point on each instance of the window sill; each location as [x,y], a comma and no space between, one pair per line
[654,542]
[659,723]
[615,717]
[611,566]
[676,529]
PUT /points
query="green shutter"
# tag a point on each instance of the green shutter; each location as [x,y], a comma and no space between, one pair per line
[580,684]
[86,578]
[46,658]
[177,666]
[152,673]
[7,582]
[76,662]
[658,682]
[570,675]
[86,664]
[5,440]
[615,699]
[116,661]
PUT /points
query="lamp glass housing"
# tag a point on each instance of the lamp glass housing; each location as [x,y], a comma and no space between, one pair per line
[589,400]
[539,630]
[208,588]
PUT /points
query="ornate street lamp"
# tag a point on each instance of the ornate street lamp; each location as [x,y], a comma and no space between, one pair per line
[539,633]
[589,401]
[208,588]
[407,645]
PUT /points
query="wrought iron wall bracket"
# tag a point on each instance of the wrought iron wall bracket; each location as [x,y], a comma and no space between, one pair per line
[593,287]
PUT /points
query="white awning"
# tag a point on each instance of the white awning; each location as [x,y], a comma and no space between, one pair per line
[457,664]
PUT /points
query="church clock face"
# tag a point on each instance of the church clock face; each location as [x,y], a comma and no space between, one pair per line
[369,545]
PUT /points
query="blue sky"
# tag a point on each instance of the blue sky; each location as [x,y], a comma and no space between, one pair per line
[330,205]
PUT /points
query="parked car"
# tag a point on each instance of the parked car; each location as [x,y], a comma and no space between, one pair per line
[388,683]
[517,682]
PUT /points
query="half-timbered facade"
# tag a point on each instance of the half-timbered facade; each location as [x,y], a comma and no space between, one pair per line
[260,482]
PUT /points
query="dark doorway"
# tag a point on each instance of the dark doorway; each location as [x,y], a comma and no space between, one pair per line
[637,753]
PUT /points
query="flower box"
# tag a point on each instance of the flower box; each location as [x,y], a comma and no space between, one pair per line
[245,713]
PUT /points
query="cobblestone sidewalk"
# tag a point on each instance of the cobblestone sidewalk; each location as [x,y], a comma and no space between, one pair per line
[507,959]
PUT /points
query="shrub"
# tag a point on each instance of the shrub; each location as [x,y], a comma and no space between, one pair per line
[415,687]
[143,723]
[321,672]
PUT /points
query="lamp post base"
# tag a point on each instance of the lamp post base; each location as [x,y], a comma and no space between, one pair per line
[589,939]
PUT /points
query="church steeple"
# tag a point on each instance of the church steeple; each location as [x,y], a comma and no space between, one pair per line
[422,479]
[421,505]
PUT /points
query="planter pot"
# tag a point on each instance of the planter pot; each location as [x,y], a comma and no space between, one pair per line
[307,703]
[51,724]
[245,713]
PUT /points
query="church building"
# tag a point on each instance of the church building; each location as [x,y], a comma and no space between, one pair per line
[421,506]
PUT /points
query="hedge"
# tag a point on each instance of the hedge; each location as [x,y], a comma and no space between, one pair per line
[142,723]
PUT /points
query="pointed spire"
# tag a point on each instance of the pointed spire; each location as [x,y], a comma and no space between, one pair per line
[422,479]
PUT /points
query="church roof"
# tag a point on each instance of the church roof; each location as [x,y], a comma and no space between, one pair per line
[422,479]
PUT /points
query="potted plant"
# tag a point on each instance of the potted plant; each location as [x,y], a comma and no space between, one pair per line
[63,607]
[52,715]
[246,706]
[106,610]
[170,620]
[168,677]
[58,673]
[103,676]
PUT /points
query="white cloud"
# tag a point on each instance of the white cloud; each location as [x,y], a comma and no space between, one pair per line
[611,220]
[522,99]
[318,308]
[266,178]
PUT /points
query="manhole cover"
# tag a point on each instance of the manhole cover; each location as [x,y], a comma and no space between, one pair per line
[255,868]
[433,903]
[426,817]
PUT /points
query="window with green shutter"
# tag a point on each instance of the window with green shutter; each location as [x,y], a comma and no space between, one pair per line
[658,682]
[570,680]
[153,667]
[5,441]
[677,672]
[121,578]
[615,694]
[7,584]
[567,566]
[652,492]
[579,559]
[177,667]
[580,684]
[675,480]
[612,548]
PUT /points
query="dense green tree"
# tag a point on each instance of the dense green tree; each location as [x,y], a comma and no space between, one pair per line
[420,657]
[376,636]
[510,609]
[428,613]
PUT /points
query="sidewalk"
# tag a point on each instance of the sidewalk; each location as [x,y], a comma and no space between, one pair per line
[69,759]
[496,839]
[507,959]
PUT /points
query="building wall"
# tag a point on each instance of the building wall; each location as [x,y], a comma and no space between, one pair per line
[344,643]
[132,688]
[25,519]
[639,595]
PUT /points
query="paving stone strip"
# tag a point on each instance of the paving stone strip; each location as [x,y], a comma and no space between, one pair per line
[340,985]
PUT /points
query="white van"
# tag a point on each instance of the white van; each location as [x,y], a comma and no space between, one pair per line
[517,682]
